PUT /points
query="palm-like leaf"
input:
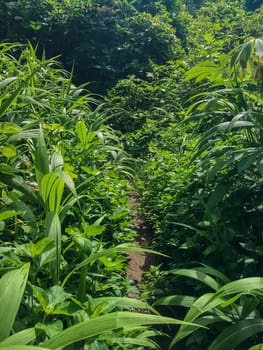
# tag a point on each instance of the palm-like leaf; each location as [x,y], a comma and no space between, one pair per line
[203,310]
[12,286]
[103,324]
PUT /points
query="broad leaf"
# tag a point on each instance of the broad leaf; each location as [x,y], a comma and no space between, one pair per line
[103,324]
[51,191]
[12,286]
[21,338]
[244,286]
[41,158]
[53,231]
[198,275]
[202,305]
[179,300]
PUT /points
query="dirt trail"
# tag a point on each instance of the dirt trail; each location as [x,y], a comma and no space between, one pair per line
[139,262]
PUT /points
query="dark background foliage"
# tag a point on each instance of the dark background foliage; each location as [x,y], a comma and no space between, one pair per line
[104,40]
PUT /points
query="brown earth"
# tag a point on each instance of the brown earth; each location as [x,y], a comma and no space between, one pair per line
[139,262]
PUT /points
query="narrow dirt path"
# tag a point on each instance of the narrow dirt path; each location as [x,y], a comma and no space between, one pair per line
[139,262]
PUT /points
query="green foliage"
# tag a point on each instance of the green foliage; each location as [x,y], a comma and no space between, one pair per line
[232,304]
[142,109]
[104,40]
[227,27]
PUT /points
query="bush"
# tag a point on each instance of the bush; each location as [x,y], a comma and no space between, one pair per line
[105,41]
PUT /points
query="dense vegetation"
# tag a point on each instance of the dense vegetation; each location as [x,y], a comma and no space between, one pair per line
[178,122]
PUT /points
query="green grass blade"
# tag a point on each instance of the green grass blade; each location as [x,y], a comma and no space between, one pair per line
[104,324]
[210,301]
[8,102]
[121,302]
[213,272]
[67,205]
[64,175]
[198,275]
[150,344]
[179,300]
[24,134]
[12,286]
[81,131]
[203,304]
[6,82]
[21,338]
[244,286]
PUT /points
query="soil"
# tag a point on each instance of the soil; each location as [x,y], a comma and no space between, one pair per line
[139,262]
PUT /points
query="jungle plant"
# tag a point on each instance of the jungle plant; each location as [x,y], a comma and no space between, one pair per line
[232,311]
